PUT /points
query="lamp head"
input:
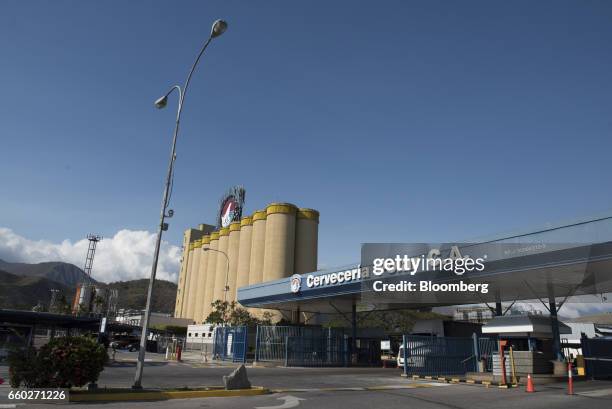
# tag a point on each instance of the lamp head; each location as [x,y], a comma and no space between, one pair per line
[161,102]
[218,28]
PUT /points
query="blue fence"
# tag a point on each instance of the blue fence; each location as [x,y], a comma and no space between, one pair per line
[301,346]
[597,353]
[231,343]
[326,349]
[435,356]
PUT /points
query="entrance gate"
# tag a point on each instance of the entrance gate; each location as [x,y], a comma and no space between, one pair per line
[325,349]
[303,346]
[231,343]
[436,356]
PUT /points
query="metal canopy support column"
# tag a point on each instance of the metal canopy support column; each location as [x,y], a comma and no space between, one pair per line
[354,333]
[498,309]
[556,336]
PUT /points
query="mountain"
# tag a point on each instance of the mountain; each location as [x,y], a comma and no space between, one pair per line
[25,285]
[24,292]
[64,273]
[133,295]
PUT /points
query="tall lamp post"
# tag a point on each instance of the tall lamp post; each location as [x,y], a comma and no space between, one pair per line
[226,287]
[218,28]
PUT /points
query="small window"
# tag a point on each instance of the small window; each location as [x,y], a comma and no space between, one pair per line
[190,334]
[195,335]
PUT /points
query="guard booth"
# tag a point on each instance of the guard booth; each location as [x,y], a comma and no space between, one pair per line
[528,344]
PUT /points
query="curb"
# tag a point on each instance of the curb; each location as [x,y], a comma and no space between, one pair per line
[465,381]
[164,395]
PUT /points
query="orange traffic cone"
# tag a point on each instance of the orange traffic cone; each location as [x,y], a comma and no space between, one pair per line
[530,387]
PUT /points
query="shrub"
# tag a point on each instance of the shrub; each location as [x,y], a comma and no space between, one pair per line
[61,363]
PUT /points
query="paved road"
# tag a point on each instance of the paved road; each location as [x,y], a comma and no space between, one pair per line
[321,388]
[160,374]
[177,375]
[425,396]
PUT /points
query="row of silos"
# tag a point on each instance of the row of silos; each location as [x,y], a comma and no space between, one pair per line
[189,240]
[271,244]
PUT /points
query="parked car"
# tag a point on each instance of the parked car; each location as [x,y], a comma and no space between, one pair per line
[417,355]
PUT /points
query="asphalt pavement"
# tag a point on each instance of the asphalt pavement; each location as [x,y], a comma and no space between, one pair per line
[424,396]
[320,388]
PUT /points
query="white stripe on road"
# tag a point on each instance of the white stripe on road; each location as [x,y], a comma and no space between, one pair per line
[596,393]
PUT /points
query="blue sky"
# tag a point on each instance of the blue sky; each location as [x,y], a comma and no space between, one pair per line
[401,121]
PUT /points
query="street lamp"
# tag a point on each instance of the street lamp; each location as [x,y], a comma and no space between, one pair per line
[217,29]
[226,287]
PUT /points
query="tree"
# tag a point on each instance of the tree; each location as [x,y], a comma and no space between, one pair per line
[218,313]
[399,321]
[231,313]
[61,306]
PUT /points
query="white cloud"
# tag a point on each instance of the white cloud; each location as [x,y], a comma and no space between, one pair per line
[125,256]
[575,306]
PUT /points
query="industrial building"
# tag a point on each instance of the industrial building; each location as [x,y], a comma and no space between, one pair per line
[271,244]
[267,261]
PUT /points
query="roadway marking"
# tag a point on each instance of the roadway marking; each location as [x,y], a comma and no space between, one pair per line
[290,402]
[596,393]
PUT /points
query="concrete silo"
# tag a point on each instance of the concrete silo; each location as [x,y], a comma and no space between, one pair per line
[195,276]
[188,277]
[221,271]
[211,266]
[258,245]
[202,273]
[233,253]
[280,241]
[306,246]
[306,241]
[180,291]
[244,252]
[189,237]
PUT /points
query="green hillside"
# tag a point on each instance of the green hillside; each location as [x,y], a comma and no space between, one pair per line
[133,295]
[24,292]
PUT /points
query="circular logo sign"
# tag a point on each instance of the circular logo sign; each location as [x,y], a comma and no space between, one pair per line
[296,283]
[228,212]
